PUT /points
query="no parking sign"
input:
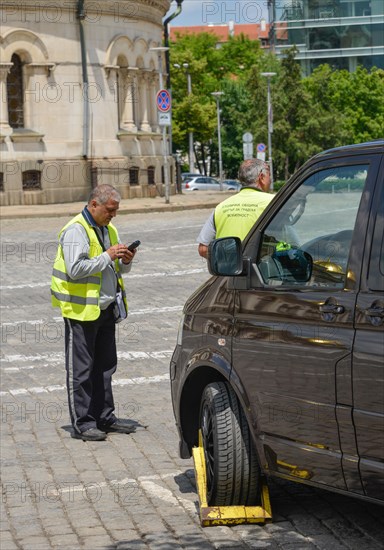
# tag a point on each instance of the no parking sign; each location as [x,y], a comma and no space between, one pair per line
[163,101]
[261,148]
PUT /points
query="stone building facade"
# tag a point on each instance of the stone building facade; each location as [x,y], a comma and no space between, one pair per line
[78,84]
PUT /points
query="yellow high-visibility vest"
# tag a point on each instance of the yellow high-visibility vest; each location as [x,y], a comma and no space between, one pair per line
[79,299]
[235,216]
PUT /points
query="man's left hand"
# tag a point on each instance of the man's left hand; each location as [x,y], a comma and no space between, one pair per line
[128,256]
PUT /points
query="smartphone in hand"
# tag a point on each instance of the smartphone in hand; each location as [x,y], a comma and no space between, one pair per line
[133,245]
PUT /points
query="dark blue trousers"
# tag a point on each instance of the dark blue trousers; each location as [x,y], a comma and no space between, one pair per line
[90,360]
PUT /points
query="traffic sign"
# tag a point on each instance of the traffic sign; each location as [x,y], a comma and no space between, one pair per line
[247,150]
[261,147]
[164,119]
[163,101]
[247,137]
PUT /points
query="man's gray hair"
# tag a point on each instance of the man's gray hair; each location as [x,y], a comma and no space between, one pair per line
[250,170]
[102,193]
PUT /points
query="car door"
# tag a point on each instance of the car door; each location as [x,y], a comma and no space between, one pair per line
[293,338]
[368,355]
[200,183]
[212,184]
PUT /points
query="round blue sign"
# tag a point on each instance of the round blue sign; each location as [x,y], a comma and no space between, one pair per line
[163,101]
[261,147]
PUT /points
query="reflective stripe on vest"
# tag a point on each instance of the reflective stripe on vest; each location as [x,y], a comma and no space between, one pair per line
[64,277]
[236,216]
[74,299]
[79,299]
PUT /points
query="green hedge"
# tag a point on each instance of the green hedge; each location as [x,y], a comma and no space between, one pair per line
[277,185]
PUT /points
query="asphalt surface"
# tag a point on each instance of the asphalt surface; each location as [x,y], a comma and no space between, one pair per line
[131,491]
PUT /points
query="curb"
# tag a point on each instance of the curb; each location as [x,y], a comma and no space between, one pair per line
[126,207]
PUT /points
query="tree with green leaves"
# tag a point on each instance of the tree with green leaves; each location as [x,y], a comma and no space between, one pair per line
[327,109]
[211,69]
[357,97]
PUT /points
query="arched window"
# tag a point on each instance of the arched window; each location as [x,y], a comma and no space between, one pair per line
[1,182]
[134,176]
[15,93]
[151,175]
[31,180]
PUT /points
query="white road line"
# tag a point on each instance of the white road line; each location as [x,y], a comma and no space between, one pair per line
[170,247]
[59,356]
[133,276]
[138,381]
[32,322]
[154,490]
[24,285]
[151,311]
[46,357]
[125,489]
[69,488]
[145,311]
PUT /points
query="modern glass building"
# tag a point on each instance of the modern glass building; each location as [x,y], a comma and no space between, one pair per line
[342,33]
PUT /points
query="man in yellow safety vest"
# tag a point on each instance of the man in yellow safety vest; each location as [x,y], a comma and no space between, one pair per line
[88,287]
[235,216]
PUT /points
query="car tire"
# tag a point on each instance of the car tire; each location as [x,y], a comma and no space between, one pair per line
[233,473]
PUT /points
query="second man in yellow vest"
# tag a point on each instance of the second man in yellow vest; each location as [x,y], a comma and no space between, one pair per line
[235,216]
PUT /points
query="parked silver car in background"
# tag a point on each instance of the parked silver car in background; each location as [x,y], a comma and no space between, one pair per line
[206,183]
[186,175]
[232,184]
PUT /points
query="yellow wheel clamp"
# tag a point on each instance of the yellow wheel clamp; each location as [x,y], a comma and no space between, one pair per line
[226,515]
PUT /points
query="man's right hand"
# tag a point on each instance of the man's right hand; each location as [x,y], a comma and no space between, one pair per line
[117,251]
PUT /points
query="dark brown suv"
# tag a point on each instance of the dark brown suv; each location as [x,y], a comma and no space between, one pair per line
[280,355]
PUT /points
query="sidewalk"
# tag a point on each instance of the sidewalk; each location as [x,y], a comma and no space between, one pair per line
[185,201]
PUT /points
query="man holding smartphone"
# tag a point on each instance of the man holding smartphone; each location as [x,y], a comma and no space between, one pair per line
[87,275]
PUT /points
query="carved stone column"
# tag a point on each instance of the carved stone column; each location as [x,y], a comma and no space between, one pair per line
[144,102]
[129,99]
[4,121]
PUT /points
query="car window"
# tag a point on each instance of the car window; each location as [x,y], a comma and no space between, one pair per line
[312,231]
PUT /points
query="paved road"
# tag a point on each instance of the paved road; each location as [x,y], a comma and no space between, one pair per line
[132,491]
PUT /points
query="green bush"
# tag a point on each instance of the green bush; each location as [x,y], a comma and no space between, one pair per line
[277,185]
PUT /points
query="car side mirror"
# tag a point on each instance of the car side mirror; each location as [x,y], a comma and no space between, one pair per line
[225,257]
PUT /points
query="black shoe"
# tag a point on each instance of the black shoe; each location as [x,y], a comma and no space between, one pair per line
[93,434]
[120,426]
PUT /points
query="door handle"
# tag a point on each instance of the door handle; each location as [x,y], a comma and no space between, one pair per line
[331,308]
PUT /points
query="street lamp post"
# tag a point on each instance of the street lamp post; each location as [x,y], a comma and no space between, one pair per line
[217,95]
[191,155]
[160,50]
[270,122]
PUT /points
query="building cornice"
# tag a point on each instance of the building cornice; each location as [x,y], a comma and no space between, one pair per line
[48,11]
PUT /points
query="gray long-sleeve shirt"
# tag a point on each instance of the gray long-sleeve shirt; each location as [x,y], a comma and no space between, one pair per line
[75,243]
